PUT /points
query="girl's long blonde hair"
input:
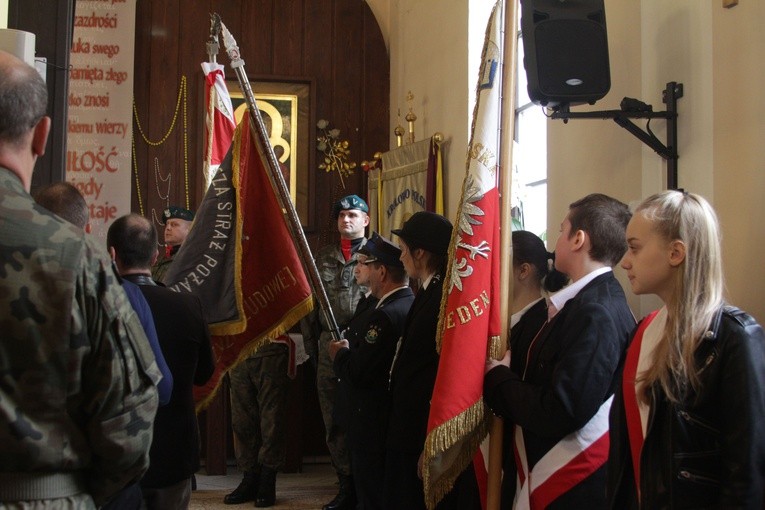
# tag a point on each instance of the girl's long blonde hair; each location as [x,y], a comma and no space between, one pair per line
[698,288]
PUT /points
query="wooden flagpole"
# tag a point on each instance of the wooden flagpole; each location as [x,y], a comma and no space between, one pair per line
[507,126]
[277,181]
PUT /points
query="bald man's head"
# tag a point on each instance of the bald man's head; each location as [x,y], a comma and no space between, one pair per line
[23,98]
[134,240]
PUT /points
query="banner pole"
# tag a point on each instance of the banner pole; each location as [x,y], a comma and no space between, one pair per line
[212,43]
[277,181]
[507,126]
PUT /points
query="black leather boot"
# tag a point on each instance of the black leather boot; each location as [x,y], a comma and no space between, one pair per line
[346,496]
[266,488]
[246,490]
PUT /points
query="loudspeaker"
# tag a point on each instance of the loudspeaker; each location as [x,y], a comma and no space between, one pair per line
[565,51]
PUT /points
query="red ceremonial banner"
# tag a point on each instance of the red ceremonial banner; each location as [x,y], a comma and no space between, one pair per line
[470,310]
[271,288]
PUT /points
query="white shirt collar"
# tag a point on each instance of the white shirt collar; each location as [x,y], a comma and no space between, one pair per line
[388,294]
[560,298]
[427,280]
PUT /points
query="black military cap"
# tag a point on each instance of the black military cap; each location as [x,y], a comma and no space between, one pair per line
[379,249]
[177,212]
[426,230]
[348,203]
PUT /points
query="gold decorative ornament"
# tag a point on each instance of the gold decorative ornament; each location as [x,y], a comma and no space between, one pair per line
[336,151]
[399,131]
[410,117]
[373,163]
[180,108]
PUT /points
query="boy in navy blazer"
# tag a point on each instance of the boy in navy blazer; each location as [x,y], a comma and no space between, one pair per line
[559,402]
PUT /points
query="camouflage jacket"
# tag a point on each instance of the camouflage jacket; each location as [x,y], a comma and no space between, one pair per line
[159,270]
[78,391]
[342,291]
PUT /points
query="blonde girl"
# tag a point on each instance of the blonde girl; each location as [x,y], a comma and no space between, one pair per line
[687,423]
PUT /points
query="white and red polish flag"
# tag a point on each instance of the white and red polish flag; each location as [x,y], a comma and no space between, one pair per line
[219,119]
[470,309]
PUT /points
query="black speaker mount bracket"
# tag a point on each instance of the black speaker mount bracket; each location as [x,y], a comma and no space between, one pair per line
[671,94]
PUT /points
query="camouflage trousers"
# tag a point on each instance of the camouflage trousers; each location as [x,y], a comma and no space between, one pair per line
[258,408]
[326,385]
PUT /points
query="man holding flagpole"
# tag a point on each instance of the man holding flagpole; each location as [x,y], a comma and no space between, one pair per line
[560,401]
[364,366]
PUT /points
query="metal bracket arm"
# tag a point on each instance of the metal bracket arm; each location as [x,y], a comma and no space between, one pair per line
[671,94]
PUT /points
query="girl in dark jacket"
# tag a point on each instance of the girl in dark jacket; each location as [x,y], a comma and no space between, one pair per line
[534,276]
[687,424]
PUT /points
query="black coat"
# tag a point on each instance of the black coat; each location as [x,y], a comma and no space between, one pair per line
[185,341]
[354,333]
[365,368]
[414,372]
[709,450]
[521,336]
[572,371]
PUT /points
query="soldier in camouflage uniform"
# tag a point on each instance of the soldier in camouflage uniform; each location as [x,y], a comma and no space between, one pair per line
[78,394]
[259,386]
[336,263]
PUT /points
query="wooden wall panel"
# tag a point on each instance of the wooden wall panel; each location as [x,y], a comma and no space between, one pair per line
[52,23]
[255,24]
[334,44]
[287,38]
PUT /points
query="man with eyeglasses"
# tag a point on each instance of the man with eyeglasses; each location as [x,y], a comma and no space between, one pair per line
[363,364]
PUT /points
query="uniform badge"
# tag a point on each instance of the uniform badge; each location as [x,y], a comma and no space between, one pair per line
[372,334]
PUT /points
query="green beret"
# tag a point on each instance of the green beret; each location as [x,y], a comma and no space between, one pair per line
[348,203]
[177,212]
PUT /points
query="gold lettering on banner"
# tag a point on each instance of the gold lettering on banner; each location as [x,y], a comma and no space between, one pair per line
[450,320]
[476,310]
[465,313]
[270,292]
[483,155]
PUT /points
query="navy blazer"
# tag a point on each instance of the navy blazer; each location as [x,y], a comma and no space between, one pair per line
[571,370]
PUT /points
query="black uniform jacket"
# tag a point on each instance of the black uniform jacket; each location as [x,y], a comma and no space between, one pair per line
[414,371]
[185,341]
[709,450]
[365,368]
[571,371]
[354,333]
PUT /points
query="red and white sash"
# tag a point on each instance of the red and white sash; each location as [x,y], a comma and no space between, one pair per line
[571,460]
[631,407]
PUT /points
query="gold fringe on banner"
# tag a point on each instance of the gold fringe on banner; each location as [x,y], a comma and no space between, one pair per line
[239,325]
[289,320]
[496,349]
[446,436]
